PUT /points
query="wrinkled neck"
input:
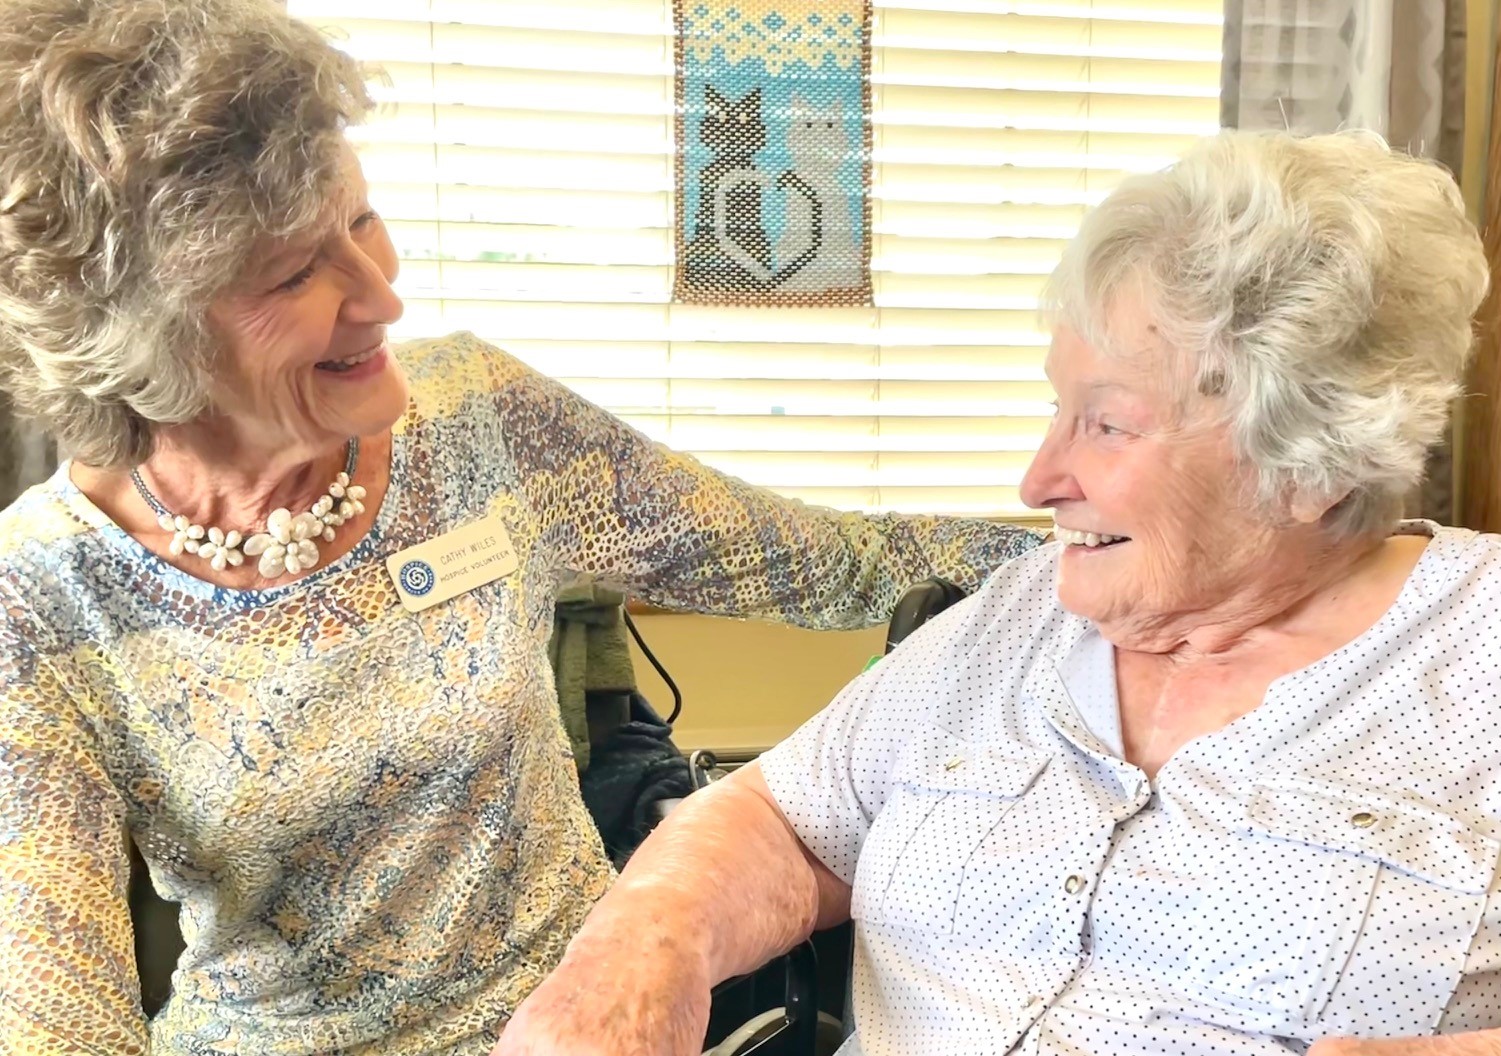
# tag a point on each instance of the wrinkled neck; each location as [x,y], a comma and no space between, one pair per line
[212,480]
[1278,596]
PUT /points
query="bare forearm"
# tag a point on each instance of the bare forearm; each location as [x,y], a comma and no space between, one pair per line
[719,888]
[1471,1043]
[726,870]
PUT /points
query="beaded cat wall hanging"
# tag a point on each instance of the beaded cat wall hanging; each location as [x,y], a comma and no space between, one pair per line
[773,152]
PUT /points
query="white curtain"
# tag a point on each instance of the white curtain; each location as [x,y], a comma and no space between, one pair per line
[1394,66]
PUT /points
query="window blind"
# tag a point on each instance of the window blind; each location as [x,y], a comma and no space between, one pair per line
[522,156]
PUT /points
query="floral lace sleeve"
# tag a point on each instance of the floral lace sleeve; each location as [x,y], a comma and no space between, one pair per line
[67,965]
[679,534]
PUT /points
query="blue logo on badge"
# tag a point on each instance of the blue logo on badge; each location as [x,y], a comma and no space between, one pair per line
[417,578]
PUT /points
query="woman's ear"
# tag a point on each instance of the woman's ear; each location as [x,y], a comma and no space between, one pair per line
[1310,508]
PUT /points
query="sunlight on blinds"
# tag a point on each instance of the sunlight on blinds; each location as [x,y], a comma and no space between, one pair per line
[523,158]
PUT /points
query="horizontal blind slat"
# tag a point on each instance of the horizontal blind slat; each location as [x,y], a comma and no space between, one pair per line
[804,469]
[807,361]
[1045,35]
[957,184]
[970,502]
[935,328]
[615,142]
[521,245]
[652,17]
[594,284]
[632,43]
[1049,72]
[559,220]
[725,432]
[1202,12]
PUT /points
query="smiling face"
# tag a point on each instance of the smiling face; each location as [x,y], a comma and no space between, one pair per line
[305,363]
[1150,501]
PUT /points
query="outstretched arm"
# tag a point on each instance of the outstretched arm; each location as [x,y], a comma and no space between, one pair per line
[678,533]
[721,887]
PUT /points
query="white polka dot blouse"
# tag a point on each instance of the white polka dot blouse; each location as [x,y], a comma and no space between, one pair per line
[1325,865]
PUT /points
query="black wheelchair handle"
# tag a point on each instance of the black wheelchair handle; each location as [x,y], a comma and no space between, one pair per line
[918,605]
[799,1032]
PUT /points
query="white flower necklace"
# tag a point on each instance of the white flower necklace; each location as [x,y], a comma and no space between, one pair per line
[287,546]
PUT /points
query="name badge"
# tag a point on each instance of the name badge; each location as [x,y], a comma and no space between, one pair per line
[452,564]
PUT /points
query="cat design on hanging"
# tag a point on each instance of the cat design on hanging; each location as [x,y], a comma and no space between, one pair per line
[730,249]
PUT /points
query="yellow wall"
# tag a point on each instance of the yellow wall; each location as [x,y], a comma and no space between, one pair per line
[746,684]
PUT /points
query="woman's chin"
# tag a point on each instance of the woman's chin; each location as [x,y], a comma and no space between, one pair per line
[1088,593]
[371,409]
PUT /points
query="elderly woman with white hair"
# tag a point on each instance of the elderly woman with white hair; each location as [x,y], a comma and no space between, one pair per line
[1218,771]
[283,618]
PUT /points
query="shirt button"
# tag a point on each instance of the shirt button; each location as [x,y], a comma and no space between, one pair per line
[1074,884]
[954,763]
[1364,820]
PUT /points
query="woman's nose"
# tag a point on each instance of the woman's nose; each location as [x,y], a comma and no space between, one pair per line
[371,298]
[1048,481]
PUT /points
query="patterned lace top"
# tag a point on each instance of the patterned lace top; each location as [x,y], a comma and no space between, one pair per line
[370,818]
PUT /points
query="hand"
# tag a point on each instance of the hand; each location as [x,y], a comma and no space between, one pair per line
[642,997]
[1473,1043]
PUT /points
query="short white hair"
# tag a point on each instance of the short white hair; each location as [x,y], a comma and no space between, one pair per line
[1323,287]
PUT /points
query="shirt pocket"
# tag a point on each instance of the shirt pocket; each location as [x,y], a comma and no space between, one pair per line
[947,795]
[1388,893]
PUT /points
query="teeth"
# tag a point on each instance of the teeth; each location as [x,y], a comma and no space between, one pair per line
[353,361]
[1069,537]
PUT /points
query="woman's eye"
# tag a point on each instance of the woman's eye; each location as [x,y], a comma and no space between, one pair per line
[296,281]
[364,220]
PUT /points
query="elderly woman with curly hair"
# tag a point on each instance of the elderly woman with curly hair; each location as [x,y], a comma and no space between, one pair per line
[283,618]
[1217,771]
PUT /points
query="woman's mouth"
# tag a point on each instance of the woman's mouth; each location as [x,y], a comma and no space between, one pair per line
[1088,540]
[361,364]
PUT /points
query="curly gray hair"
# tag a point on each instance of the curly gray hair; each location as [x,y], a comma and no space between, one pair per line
[1322,286]
[147,147]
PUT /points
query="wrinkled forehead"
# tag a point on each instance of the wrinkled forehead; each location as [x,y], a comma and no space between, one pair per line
[1132,360]
[343,198]
[1123,345]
